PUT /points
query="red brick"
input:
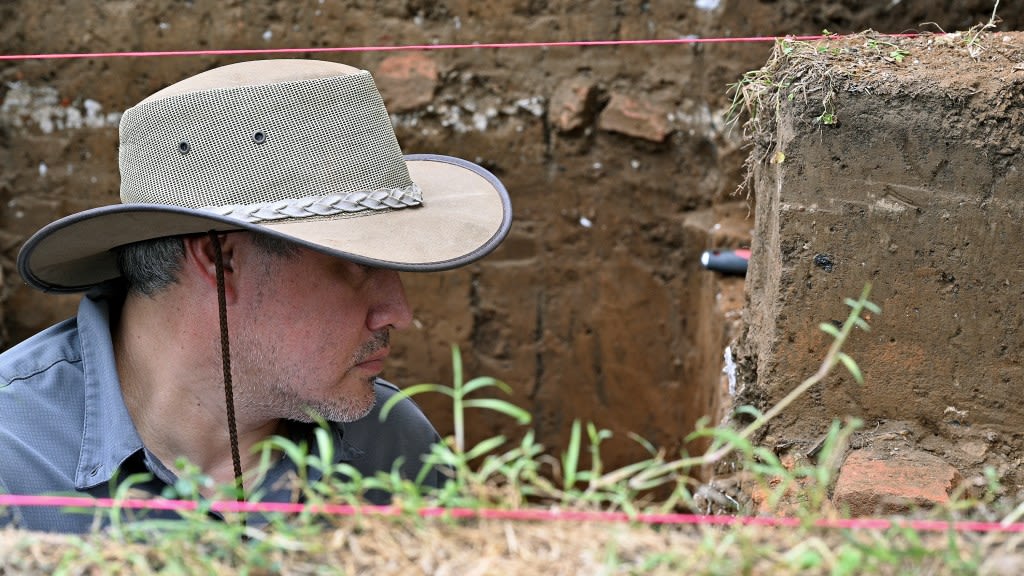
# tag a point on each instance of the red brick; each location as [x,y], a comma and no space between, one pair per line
[877,483]
[636,117]
[571,104]
[407,81]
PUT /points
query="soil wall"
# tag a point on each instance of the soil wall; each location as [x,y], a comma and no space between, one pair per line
[619,164]
[899,164]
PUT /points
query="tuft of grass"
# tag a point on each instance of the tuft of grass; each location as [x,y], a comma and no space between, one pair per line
[799,72]
[973,39]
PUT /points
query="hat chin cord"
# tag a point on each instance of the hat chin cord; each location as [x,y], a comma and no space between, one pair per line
[225,354]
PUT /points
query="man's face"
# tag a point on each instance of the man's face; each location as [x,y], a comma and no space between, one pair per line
[312,333]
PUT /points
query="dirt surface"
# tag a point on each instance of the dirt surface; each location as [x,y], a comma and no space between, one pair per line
[619,163]
[899,163]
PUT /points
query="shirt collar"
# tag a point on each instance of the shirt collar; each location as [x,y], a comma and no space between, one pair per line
[109,435]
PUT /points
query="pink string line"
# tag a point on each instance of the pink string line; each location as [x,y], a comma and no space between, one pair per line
[496,514]
[311,50]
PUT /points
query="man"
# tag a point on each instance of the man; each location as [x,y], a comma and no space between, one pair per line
[244,288]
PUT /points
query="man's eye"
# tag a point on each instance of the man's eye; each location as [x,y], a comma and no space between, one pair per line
[365,268]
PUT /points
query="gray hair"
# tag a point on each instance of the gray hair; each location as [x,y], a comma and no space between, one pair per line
[151,266]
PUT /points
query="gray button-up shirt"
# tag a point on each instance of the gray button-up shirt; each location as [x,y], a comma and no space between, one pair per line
[65,430]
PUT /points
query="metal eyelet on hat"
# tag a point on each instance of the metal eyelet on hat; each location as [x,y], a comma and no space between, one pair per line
[184,147]
[259,137]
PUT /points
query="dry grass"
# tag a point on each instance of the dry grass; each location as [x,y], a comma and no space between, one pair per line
[439,547]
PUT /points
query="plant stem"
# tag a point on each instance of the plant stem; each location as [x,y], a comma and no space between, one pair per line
[831,358]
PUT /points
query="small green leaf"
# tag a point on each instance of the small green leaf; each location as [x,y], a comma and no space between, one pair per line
[749,411]
[829,329]
[646,444]
[850,561]
[410,392]
[851,365]
[485,446]
[898,55]
[324,446]
[571,457]
[484,382]
[507,408]
[722,436]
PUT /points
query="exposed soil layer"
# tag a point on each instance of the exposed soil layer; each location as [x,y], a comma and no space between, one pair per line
[620,166]
[899,163]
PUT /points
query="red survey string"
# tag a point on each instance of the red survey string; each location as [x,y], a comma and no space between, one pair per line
[412,47]
[538,515]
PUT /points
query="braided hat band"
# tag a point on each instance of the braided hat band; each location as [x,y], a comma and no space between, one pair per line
[329,205]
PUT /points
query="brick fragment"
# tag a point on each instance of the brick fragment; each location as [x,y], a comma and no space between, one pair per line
[572,104]
[407,81]
[873,482]
[636,117]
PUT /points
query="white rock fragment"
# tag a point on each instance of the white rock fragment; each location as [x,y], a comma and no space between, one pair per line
[41,106]
[479,122]
[729,369]
[534,105]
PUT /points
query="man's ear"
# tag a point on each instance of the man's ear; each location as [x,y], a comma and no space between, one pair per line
[201,260]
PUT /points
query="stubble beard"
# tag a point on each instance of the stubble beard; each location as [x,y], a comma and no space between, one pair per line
[346,408]
[281,397]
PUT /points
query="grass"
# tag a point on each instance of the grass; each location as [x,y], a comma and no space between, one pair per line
[808,79]
[500,473]
[398,546]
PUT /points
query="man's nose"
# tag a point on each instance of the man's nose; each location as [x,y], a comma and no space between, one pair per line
[391,307]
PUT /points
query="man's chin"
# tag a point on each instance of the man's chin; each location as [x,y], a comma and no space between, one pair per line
[348,411]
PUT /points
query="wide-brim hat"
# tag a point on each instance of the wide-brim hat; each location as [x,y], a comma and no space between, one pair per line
[299,149]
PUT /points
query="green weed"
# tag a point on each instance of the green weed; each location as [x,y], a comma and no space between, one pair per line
[499,472]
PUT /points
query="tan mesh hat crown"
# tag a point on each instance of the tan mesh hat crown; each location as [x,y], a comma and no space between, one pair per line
[299,149]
